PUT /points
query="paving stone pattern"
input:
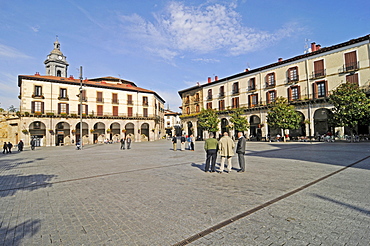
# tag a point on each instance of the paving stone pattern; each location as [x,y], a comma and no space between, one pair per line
[152,195]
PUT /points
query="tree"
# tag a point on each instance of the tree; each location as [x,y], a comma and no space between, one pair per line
[351,106]
[240,122]
[283,116]
[208,120]
[12,108]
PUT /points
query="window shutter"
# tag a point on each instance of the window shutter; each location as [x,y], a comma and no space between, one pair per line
[32,107]
[326,88]
[314,90]
[289,94]
[67,108]
[350,58]
[267,97]
[59,108]
[79,109]
[42,107]
[86,109]
[299,92]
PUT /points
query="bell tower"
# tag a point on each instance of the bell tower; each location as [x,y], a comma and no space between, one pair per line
[56,63]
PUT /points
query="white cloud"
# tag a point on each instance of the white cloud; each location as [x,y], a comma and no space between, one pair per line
[201,30]
[206,60]
[6,51]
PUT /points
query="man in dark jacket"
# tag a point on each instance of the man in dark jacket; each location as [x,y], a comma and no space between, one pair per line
[10,146]
[240,150]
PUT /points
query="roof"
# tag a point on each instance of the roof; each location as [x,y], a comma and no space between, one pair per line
[104,82]
[322,50]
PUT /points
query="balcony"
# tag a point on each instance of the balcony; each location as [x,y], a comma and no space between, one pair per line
[270,84]
[251,88]
[145,104]
[92,114]
[235,91]
[209,97]
[318,74]
[38,95]
[349,67]
[99,100]
[222,94]
[115,101]
[292,80]
[130,102]
[63,98]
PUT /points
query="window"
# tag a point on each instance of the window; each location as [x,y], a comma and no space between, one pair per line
[222,91]
[84,98]
[84,109]
[145,101]
[115,110]
[63,93]
[318,67]
[252,84]
[38,91]
[320,89]
[187,99]
[235,102]
[197,97]
[353,78]
[63,108]
[270,79]
[209,94]
[99,109]
[129,112]
[145,112]
[209,105]
[350,61]
[271,96]
[197,108]
[236,88]
[187,110]
[253,100]
[294,93]
[115,98]
[129,100]
[293,74]
[37,107]
[221,105]
[99,96]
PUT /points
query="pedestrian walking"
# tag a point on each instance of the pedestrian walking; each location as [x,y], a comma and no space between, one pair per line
[240,150]
[174,143]
[122,143]
[128,141]
[10,146]
[5,148]
[226,147]
[188,140]
[182,140]
[211,147]
[33,143]
[20,145]
[192,141]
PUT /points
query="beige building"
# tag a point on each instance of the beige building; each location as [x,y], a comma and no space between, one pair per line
[51,107]
[305,80]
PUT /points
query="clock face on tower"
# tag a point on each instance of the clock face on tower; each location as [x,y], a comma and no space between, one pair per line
[60,57]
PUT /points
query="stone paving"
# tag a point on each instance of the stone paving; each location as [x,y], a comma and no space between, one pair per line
[151,195]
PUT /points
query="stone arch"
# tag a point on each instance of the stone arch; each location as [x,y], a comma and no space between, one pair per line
[130,129]
[145,131]
[37,131]
[99,132]
[224,126]
[322,124]
[114,131]
[255,127]
[301,131]
[85,130]
[190,128]
[62,133]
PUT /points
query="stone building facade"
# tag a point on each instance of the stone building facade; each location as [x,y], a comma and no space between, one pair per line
[52,107]
[305,80]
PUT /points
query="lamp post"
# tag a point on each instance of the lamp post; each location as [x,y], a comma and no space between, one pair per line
[81,142]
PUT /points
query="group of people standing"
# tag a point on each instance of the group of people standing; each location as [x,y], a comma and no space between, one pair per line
[183,139]
[126,140]
[7,147]
[225,147]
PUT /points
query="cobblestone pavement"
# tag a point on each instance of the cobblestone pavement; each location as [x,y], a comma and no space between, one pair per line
[151,195]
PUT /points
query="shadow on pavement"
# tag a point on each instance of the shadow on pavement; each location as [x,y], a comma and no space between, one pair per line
[14,235]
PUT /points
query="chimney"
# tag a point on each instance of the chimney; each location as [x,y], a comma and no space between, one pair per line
[216,78]
[209,80]
[71,77]
[280,59]
[37,74]
[313,47]
[318,47]
[247,69]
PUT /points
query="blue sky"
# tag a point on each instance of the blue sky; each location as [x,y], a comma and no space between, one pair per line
[167,46]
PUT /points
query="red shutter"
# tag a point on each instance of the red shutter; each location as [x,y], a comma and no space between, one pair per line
[314,90]
[59,108]
[67,108]
[289,94]
[42,107]
[100,110]
[350,60]
[115,110]
[267,97]
[299,92]
[32,107]
[79,109]
[326,88]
